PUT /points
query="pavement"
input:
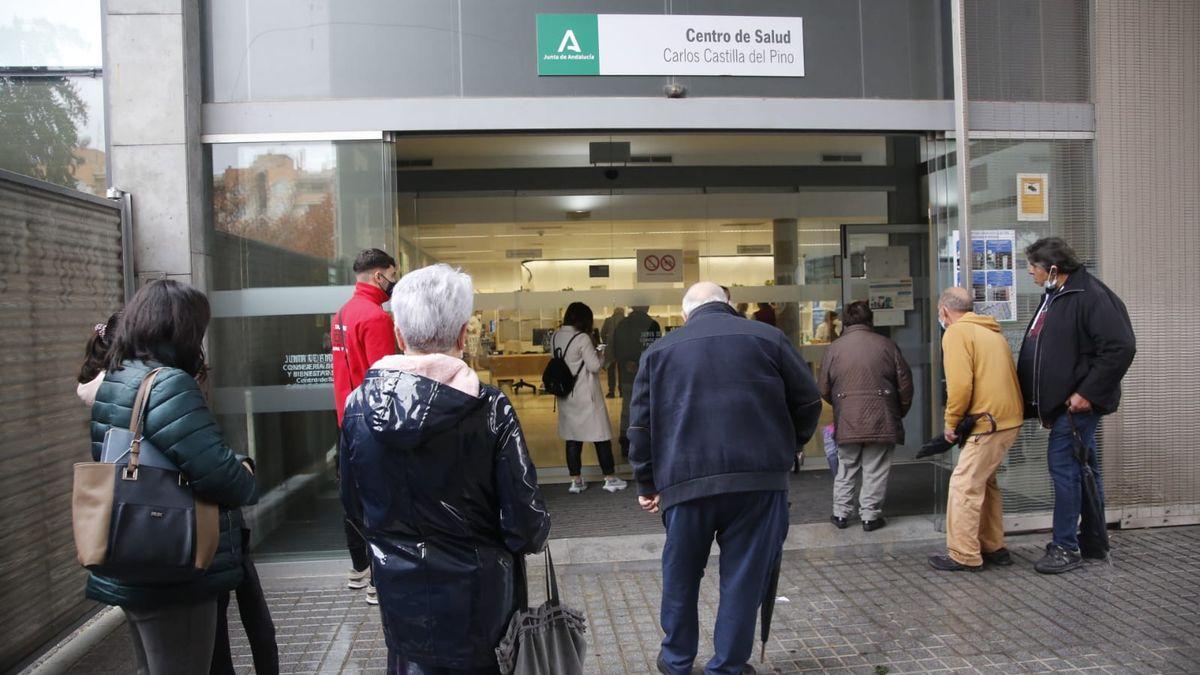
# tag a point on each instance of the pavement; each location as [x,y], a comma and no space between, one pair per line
[862,608]
[315,523]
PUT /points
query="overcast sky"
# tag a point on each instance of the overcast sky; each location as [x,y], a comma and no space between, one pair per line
[61,33]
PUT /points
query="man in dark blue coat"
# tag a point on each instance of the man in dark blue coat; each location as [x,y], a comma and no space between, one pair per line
[720,407]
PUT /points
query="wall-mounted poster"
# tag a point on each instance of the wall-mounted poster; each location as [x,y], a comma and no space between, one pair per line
[1033,196]
[891,294]
[993,272]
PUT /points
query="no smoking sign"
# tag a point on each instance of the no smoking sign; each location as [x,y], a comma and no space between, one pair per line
[659,266]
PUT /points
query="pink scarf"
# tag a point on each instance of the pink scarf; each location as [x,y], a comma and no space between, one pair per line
[448,370]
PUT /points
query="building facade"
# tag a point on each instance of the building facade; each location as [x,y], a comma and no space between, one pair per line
[266,144]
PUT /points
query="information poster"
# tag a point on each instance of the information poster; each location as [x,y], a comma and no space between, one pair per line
[891,294]
[1033,196]
[993,272]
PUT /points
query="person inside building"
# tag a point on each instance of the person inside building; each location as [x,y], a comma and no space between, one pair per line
[436,467]
[173,625]
[765,313]
[830,328]
[607,330]
[631,338]
[583,415]
[474,353]
[869,384]
[1076,350]
[361,334]
[743,310]
[981,381]
[699,389]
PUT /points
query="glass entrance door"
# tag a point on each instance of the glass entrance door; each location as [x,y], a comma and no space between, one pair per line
[889,266]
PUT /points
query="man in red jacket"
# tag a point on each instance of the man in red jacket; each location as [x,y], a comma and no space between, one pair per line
[362,333]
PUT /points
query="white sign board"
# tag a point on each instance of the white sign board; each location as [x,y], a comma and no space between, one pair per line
[654,44]
[887,262]
[659,266]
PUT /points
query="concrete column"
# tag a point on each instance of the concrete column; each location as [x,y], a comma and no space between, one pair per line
[786,238]
[152,64]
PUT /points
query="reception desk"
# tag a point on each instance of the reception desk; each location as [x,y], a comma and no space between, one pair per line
[518,370]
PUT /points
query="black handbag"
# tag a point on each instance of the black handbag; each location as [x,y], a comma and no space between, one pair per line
[134,516]
[547,640]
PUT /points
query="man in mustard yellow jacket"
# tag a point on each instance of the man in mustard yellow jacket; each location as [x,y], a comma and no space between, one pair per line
[981,379]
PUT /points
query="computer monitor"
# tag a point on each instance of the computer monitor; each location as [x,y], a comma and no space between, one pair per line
[541,338]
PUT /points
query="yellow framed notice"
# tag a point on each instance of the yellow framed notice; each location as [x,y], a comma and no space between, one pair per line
[1033,196]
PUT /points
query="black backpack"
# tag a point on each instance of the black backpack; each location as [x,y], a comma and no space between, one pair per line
[557,378]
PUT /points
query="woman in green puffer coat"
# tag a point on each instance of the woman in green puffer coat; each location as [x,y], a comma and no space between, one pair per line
[173,625]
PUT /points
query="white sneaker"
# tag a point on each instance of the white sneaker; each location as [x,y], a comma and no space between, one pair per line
[577,486]
[614,484]
[359,580]
[372,595]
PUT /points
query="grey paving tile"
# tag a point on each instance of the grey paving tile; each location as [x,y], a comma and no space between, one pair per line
[850,611]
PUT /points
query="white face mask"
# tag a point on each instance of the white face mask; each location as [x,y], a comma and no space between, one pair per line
[1052,282]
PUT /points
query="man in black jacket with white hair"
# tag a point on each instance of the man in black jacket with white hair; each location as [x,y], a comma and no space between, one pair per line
[1077,348]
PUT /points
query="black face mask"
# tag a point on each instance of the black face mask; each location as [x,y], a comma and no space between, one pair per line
[389,286]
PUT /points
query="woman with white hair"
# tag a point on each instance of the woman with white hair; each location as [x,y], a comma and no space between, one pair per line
[436,466]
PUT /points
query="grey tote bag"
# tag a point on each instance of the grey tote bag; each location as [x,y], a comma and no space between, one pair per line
[547,640]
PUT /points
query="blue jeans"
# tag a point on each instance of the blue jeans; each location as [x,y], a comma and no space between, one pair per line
[750,528]
[1066,477]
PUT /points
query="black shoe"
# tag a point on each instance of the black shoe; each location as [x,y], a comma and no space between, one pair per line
[1058,560]
[1000,558]
[872,525]
[611,395]
[945,563]
[839,522]
[662,667]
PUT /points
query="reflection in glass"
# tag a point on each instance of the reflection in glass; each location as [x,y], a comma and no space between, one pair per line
[283,216]
[296,214]
[54,128]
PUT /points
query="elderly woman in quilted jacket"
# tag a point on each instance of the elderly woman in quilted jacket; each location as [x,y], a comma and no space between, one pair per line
[869,384]
[173,625]
[436,467]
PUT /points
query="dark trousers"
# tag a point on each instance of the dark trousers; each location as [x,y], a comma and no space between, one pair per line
[355,544]
[750,528]
[603,453]
[1066,476]
[173,639]
[256,621]
[626,397]
[612,377]
[398,665]
[359,558]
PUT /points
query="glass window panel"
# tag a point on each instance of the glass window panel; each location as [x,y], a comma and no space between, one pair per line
[54,129]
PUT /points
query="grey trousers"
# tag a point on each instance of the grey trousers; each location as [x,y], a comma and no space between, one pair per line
[173,640]
[875,462]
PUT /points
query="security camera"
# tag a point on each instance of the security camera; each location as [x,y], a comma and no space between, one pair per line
[612,174]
